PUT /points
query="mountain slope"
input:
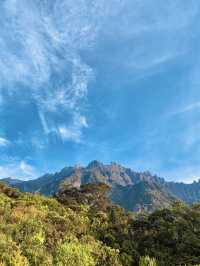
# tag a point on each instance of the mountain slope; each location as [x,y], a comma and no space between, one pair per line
[190,193]
[144,196]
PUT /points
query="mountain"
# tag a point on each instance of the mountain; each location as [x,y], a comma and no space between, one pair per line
[143,196]
[190,193]
[132,190]
[12,181]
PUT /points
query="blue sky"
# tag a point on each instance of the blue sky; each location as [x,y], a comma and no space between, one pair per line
[96,79]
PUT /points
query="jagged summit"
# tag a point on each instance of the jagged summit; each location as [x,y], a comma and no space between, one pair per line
[94,164]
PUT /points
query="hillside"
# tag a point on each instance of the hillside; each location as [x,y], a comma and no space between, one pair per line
[135,191]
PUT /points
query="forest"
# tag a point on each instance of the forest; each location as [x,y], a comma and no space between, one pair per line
[82,227]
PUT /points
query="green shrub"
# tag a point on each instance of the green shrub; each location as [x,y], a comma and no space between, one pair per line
[74,254]
[85,252]
[10,253]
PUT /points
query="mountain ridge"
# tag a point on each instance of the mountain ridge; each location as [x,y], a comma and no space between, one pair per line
[132,190]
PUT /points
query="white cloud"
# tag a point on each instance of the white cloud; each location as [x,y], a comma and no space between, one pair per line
[27,169]
[74,132]
[18,169]
[185,173]
[4,142]
[69,134]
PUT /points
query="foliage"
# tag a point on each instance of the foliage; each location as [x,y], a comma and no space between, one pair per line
[36,230]
[80,227]
[93,195]
[170,235]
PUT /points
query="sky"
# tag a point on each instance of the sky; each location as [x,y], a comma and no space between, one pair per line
[96,79]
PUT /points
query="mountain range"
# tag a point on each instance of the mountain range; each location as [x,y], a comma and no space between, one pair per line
[135,191]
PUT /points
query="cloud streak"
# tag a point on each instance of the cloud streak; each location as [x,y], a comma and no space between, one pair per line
[4,142]
[188,108]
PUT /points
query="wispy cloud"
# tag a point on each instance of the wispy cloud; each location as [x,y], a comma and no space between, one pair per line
[18,169]
[187,125]
[40,44]
[4,142]
[73,133]
[188,108]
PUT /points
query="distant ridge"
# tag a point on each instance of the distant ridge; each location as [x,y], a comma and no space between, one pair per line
[132,190]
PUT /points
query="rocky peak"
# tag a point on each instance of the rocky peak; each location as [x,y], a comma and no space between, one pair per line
[94,164]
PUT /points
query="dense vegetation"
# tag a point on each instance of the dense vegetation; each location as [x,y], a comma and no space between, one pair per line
[80,227]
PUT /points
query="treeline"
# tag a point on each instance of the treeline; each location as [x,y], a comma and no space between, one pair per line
[81,227]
